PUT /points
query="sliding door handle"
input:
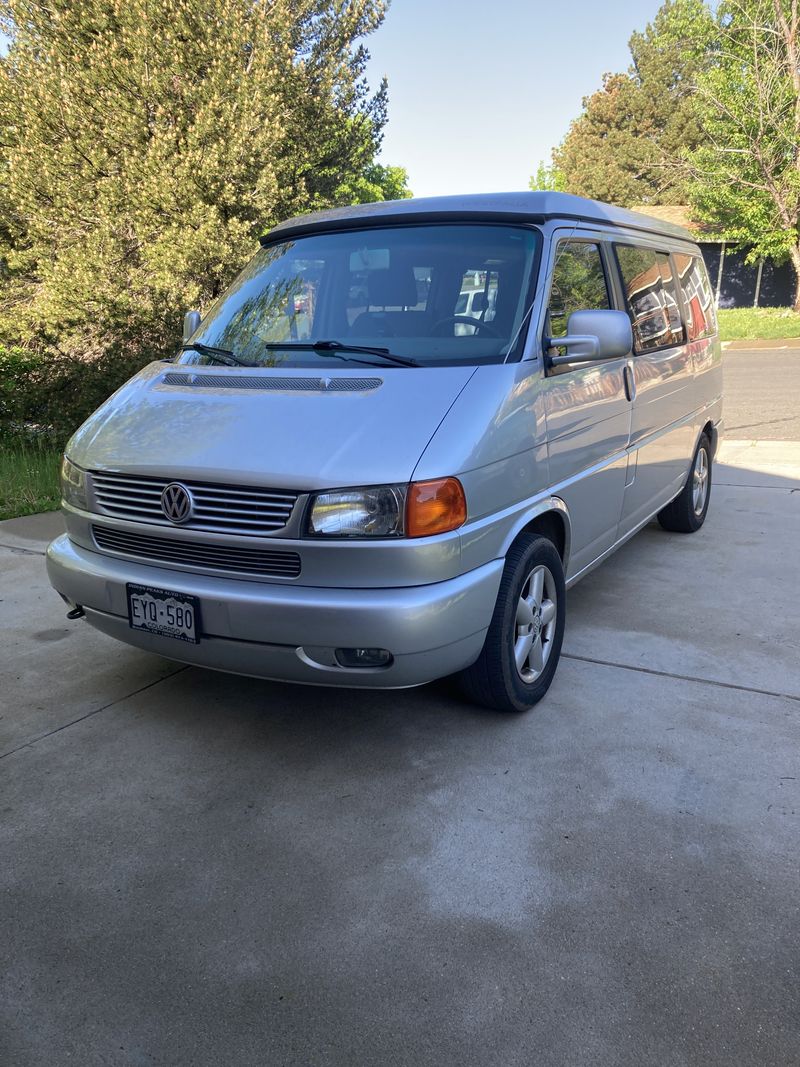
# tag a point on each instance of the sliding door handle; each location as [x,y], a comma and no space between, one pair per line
[630,381]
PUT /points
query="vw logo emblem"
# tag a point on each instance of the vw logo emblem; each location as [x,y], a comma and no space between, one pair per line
[176,503]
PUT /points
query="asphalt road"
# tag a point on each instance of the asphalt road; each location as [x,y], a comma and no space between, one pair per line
[762,395]
[203,870]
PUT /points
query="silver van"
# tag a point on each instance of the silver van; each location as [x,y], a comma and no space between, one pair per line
[341,479]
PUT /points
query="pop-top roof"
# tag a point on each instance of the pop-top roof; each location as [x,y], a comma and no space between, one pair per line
[500,207]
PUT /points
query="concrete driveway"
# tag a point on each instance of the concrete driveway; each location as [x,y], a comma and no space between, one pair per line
[200,869]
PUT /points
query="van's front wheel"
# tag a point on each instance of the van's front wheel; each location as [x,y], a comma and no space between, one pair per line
[523,643]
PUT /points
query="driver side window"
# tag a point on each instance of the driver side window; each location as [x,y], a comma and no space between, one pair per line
[579,284]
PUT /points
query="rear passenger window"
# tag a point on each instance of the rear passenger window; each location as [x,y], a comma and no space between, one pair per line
[579,284]
[651,296]
[701,319]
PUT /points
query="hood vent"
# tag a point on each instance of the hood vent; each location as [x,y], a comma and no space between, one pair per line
[271,383]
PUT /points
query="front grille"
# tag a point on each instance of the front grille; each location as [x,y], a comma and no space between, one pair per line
[230,558]
[232,509]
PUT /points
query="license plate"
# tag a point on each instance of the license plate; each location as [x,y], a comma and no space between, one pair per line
[162,612]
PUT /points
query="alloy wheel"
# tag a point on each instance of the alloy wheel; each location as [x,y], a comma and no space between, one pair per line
[535,623]
[700,481]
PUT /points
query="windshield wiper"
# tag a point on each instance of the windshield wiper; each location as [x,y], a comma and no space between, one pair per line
[334,347]
[221,355]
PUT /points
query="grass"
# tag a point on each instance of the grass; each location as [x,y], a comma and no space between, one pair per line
[28,480]
[758,324]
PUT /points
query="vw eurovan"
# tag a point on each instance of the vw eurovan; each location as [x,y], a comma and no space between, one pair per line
[352,475]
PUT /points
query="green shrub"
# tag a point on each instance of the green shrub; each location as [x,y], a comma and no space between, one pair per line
[44,397]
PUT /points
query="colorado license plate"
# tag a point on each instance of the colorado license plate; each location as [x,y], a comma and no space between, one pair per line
[162,612]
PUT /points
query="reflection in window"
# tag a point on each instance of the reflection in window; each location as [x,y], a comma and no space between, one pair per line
[477,299]
[652,297]
[697,296]
[579,284]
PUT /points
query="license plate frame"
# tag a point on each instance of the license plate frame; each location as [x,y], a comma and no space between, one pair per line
[163,612]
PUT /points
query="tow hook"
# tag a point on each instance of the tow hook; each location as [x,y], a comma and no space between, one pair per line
[76,613]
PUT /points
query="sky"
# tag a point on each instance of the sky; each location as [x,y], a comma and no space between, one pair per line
[479,92]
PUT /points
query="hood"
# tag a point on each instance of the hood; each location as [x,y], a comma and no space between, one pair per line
[295,428]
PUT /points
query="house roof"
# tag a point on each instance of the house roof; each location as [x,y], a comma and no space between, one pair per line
[680,215]
[501,207]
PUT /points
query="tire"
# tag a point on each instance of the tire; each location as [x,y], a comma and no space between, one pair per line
[495,680]
[687,512]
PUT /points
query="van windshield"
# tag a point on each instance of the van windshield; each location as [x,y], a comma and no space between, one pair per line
[437,295]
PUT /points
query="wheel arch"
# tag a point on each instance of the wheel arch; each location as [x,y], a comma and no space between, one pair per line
[550,517]
[712,433]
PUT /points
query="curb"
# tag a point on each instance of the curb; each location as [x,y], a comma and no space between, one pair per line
[771,344]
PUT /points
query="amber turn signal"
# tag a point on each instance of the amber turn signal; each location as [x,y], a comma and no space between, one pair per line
[435,507]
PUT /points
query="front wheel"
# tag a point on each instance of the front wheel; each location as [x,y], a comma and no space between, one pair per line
[688,510]
[523,643]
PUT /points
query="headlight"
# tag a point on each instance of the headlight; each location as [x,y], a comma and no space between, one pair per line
[375,511]
[421,509]
[73,485]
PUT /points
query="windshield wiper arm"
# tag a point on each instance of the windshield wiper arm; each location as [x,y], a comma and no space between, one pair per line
[368,350]
[340,346]
[222,355]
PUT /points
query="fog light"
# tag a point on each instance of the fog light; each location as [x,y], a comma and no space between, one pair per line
[363,657]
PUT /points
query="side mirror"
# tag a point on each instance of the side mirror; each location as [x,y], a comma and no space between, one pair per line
[191,321]
[593,335]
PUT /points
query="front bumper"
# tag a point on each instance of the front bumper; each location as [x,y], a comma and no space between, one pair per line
[289,633]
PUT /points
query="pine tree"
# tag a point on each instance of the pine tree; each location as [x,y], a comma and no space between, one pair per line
[145,144]
[627,146]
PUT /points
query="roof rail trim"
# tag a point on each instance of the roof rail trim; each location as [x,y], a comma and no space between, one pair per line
[301,226]
[518,208]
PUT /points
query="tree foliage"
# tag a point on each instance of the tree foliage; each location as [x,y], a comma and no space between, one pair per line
[547,178]
[603,155]
[626,147]
[375,183]
[746,172]
[145,144]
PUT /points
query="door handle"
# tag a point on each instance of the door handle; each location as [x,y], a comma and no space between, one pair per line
[630,381]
